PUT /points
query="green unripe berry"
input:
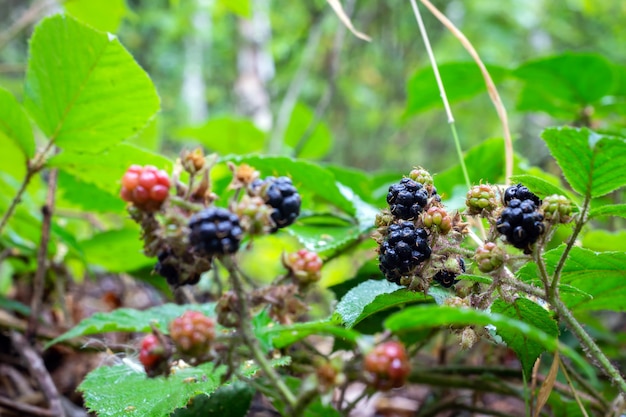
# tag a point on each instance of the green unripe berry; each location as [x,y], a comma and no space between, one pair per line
[489,257]
[422,176]
[437,217]
[481,198]
[557,209]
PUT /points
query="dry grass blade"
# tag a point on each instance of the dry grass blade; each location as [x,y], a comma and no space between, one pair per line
[548,384]
[338,8]
[569,382]
[491,87]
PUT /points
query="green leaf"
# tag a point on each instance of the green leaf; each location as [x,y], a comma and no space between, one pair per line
[226,135]
[304,174]
[131,320]
[116,250]
[562,85]
[87,196]
[87,97]
[430,315]
[373,296]
[14,124]
[539,186]
[123,390]
[608,210]
[231,400]
[603,240]
[602,275]
[239,7]
[318,142]
[527,311]
[106,170]
[283,336]
[592,163]
[463,80]
[105,15]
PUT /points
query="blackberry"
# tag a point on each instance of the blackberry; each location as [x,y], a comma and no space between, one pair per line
[404,248]
[480,198]
[168,269]
[192,334]
[145,187]
[280,194]
[521,193]
[489,257]
[215,231]
[153,355]
[407,199]
[447,278]
[557,209]
[521,223]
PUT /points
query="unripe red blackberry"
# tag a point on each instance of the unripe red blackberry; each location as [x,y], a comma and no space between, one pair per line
[403,249]
[489,257]
[192,334]
[215,231]
[521,193]
[152,355]
[521,223]
[407,199]
[304,265]
[557,209]
[438,218]
[387,366]
[146,187]
[481,198]
[280,194]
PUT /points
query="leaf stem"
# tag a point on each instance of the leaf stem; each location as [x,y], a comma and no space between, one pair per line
[247,334]
[582,219]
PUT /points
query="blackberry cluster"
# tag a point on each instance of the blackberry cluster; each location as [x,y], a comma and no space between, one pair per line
[404,248]
[280,194]
[407,199]
[447,278]
[520,192]
[520,221]
[215,231]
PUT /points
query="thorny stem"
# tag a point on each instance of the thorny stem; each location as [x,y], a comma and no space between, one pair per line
[247,334]
[582,219]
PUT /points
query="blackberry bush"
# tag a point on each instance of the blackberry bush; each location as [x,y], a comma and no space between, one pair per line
[280,194]
[407,199]
[215,231]
[402,251]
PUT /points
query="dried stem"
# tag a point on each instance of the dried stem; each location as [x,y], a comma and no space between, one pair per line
[42,256]
[491,87]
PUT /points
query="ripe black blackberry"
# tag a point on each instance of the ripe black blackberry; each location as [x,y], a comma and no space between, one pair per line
[447,278]
[215,231]
[280,194]
[521,193]
[404,248]
[166,270]
[407,199]
[521,223]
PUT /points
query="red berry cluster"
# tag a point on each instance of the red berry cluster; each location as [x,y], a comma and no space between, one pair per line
[304,265]
[387,365]
[192,334]
[152,355]
[146,187]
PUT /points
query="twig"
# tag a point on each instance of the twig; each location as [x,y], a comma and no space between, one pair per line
[24,408]
[576,397]
[491,87]
[39,372]
[42,256]
[247,334]
[291,97]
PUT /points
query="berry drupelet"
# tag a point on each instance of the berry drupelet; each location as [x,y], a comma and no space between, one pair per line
[404,248]
[407,199]
[215,231]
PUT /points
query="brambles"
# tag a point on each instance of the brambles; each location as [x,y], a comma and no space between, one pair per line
[404,248]
[387,366]
[215,231]
[192,334]
[407,199]
[145,187]
[280,194]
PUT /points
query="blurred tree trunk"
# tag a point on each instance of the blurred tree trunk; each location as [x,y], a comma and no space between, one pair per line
[197,44]
[255,66]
